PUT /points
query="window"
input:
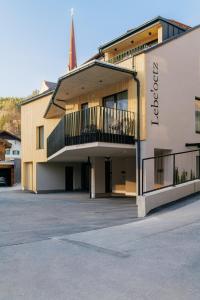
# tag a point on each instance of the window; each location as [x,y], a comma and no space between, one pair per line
[118,101]
[84,115]
[40,137]
[197,114]
[84,106]
[15,152]
[7,151]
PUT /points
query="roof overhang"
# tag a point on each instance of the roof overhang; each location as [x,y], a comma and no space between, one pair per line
[80,153]
[146,25]
[91,76]
[34,98]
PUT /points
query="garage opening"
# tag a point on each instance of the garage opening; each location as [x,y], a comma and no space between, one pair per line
[6,175]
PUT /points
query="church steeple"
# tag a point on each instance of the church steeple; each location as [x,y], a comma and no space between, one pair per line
[72,49]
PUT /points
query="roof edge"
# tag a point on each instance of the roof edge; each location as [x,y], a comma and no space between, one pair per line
[11,134]
[82,68]
[138,28]
[171,39]
[46,93]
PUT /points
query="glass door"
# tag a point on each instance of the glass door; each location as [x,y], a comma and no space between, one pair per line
[84,117]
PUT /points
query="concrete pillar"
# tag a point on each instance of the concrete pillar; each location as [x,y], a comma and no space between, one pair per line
[160,34]
[148,172]
[92,178]
[97,176]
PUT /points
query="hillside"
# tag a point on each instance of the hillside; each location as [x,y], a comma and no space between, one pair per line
[10,116]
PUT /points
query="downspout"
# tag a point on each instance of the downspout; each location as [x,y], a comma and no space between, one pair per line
[90,181]
[55,104]
[138,130]
[52,100]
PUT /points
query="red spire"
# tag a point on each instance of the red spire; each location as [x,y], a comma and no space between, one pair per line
[72,50]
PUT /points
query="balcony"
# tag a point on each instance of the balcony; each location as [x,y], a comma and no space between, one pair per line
[131,52]
[95,124]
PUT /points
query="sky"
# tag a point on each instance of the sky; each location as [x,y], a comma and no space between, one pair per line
[34,34]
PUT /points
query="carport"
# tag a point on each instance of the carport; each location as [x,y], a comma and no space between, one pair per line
[7,171]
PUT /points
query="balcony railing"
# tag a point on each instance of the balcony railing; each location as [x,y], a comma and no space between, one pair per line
[130,53]
[95,124]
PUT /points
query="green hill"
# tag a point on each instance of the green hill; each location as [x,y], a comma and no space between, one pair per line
[10,116]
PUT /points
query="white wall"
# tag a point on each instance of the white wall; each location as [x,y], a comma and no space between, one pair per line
[158,198]
[16,146]
[178,82]
[51,176]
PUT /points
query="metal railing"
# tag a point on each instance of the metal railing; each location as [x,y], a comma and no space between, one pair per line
[56,140]
[130,53]
[98,123]
[169,170]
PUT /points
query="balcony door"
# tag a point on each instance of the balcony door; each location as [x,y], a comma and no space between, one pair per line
[116,110]
[117,101]
[84,117]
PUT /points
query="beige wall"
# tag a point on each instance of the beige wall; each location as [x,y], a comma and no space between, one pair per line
[124,175]
[32,116]
[95,98]
[118,175]
[139,64]
[98,176]
[27,178]
[130,187]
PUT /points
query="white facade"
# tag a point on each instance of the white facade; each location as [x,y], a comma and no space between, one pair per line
[15,151]
[176,68]
[172,83]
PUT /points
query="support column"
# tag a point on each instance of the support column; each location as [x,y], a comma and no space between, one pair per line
[97,176]
[92,180]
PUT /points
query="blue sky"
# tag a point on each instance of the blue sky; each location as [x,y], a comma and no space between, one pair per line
[34,34]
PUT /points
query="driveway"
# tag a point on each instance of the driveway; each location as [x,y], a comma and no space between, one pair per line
[68,247]
[26,217]
[16,187]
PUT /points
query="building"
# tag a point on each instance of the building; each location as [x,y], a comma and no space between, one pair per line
[6,168]
[112,126]
[14,152]
[12,155]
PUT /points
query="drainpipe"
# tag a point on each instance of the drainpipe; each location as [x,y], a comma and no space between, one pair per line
[138,130]
[52,100]
[90,181]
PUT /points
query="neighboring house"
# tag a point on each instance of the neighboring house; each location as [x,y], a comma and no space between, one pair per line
[6,168]
[4,144]
[138,99]
[13,153]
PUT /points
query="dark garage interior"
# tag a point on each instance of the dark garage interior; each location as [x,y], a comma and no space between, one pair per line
[7,173]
